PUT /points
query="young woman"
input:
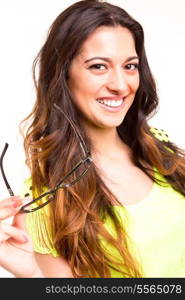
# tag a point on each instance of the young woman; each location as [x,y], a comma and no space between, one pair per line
[108,190]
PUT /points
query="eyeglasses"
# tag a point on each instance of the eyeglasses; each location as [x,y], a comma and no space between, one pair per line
[79,170]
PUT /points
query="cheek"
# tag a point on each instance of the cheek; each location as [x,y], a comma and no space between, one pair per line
[83,84]
[135,84]
[91,83]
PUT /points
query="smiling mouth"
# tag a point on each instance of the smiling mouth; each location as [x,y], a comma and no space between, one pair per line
[111,103]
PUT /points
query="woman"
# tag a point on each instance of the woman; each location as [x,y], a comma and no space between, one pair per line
[121,212]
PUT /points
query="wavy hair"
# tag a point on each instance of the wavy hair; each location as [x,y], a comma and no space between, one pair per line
[52,148]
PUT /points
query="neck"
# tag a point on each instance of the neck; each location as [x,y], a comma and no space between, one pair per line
[107,144]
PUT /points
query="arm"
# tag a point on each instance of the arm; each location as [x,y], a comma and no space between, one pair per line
[50,266]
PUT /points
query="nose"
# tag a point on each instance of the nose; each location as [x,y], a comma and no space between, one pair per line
[117,82]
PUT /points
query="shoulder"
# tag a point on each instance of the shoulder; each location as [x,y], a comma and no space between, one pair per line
[27,188]
[27,192]
[160,134]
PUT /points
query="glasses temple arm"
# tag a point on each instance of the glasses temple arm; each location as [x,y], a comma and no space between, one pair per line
[2,171]
[82,143]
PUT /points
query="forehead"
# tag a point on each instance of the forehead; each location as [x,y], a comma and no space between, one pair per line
[108,41]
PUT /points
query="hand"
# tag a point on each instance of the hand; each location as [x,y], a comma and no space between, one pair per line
[16,250]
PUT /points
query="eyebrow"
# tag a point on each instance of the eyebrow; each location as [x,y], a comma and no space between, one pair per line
[109,60]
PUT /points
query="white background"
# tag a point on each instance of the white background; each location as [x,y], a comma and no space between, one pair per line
[23,28]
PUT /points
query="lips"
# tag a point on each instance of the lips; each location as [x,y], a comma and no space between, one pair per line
[111,102]
[111,98]
[111,105]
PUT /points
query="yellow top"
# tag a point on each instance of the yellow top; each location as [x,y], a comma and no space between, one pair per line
[156,227]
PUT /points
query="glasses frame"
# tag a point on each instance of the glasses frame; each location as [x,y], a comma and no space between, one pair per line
[11,193]
[87,159]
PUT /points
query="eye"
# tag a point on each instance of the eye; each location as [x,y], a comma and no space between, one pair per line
[97,67]
[132,67]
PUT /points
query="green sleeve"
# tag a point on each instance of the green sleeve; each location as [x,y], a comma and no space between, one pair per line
[38,226]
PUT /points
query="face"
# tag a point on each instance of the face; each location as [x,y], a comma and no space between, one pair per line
[104,77]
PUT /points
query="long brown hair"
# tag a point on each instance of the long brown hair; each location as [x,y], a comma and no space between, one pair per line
[52,148]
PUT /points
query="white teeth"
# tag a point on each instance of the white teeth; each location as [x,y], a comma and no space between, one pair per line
[112,103]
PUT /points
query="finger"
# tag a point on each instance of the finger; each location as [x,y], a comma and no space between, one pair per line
[10,207]
[19,219]
[7,231]
[10,201]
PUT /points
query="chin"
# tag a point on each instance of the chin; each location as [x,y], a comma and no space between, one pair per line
[110,125]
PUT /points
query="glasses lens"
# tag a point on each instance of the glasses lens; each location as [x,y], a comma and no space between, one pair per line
[36,204]
[76,174]
[71,178]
